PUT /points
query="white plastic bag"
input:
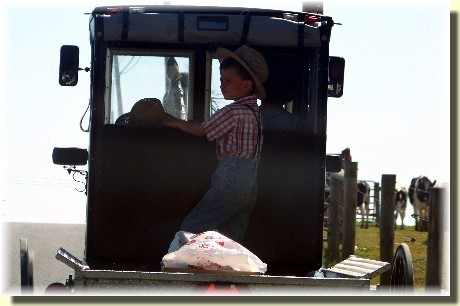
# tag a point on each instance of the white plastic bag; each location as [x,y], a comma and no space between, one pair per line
[181,238]
[213,251]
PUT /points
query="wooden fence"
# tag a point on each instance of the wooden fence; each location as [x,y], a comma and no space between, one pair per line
[341,224]
[437,265]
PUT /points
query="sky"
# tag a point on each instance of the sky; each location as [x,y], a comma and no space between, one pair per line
[394,114]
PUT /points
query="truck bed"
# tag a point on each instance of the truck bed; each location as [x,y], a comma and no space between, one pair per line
[155,283]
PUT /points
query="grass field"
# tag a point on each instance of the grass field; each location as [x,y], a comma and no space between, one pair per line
[368,240]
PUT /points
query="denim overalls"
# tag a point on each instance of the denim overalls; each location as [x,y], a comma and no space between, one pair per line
[227,205]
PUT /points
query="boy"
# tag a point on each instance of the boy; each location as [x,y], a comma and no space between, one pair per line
[237,129]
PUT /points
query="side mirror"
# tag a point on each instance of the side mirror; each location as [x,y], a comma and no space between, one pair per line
[68,66]
[333,163]
[336,76]
[70,156]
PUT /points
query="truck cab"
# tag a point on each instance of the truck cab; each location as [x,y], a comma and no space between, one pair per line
[143,179]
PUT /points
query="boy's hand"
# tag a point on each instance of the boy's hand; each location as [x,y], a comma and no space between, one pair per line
[193,127]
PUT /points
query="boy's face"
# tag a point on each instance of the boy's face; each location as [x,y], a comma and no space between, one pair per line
[233,86]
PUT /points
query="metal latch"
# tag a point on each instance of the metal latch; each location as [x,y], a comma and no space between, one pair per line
[70,260]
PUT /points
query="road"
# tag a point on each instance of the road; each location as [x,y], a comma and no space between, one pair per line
[44,240]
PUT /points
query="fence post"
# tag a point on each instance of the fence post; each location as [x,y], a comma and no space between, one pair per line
[377,203]
[435,265]
[387,224]
[350,187]
[333,233]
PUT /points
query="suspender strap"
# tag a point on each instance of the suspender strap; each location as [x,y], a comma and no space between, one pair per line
[259,132]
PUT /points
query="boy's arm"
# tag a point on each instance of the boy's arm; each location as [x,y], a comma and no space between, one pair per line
[191,127]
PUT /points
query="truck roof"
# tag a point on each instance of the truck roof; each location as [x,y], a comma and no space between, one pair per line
[204,24]
[198,9]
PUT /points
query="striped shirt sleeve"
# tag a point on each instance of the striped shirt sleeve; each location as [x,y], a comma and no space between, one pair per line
[219,124]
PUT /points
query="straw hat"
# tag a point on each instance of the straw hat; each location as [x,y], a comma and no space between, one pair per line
[147,111]
[252,61]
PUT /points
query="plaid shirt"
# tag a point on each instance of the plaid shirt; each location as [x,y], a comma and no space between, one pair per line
[235,129]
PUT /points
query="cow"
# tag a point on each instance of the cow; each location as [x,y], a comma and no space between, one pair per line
[362,202]
[400,205]
[419,196]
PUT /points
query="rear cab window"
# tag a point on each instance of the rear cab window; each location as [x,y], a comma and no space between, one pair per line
[138,75]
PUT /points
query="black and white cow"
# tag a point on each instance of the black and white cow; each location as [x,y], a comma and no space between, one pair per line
[419,196]
[400,205]
[362,202]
